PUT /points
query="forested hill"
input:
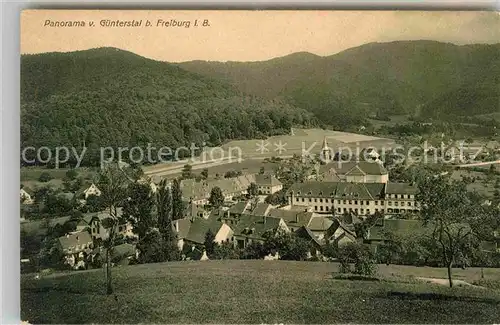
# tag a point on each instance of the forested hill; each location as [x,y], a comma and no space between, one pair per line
[421,78]
[110,97]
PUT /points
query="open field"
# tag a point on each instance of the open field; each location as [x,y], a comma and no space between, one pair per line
[30,175]
[483,184]
[395,119]
[256,292]
[249,166]
[284,146]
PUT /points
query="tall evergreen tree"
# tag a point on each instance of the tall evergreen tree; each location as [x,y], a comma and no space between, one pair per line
[177,205]
[138,208]
[164,208]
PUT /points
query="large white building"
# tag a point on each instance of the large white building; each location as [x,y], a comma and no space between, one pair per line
[338,198]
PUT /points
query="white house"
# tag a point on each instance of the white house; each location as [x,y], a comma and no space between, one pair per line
[26,196]
[267,184]
[87,191]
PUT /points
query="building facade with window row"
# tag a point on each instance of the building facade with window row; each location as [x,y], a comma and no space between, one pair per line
[338,198]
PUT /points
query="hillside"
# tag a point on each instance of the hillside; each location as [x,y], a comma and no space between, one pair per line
[256,292]
[109,97]
[403,77]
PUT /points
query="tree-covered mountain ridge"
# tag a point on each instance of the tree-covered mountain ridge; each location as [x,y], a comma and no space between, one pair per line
[110,97]
[422,78]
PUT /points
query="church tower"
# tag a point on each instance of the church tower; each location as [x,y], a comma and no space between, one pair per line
[325,152]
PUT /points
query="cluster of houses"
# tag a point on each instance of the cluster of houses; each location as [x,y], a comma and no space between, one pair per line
[198,192]
[326,207]
[87,190]
[316,209]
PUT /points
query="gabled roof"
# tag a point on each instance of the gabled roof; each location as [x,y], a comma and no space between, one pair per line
[183,225]
[101,215]
[314,189]
[261,209]
[367,167]
[305,233]
[319,223]
[199,228]
[256,226]
[266,180]
[72,240]
[193,210]
[292,217]
[84,188]
[363,191]
[336,224]
[28,190]
[239,208]
[356,171]
[200,190]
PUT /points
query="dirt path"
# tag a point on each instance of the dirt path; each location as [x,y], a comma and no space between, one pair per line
[458,283]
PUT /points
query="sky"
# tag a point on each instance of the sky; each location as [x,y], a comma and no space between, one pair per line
[249,35]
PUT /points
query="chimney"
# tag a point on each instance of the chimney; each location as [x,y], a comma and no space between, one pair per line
[264,219]
[177,226]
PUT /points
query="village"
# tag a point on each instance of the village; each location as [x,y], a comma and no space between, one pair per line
[323,206]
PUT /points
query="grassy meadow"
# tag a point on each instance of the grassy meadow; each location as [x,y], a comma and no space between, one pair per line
[30,175]
[257,292]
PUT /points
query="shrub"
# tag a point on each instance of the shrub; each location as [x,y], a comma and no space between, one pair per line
[289,246]
[71,174]
[359,255]
[44,177]
[254,250]
[225,251]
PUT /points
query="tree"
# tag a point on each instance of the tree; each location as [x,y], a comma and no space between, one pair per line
[44,177]
[287,244]
[225,251]
[357,254]
[138,208]
[50,255]
[187,171]
[364,226]
[209,242]
[455,216]
[112,182]
[277,198]
[204,173]
[216,198]
[232,174]
[94,203]
[177,204]
[72,174]
[151,247]
[254,250]
[253,190]
[57,204]
[262,170]
[164,208]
